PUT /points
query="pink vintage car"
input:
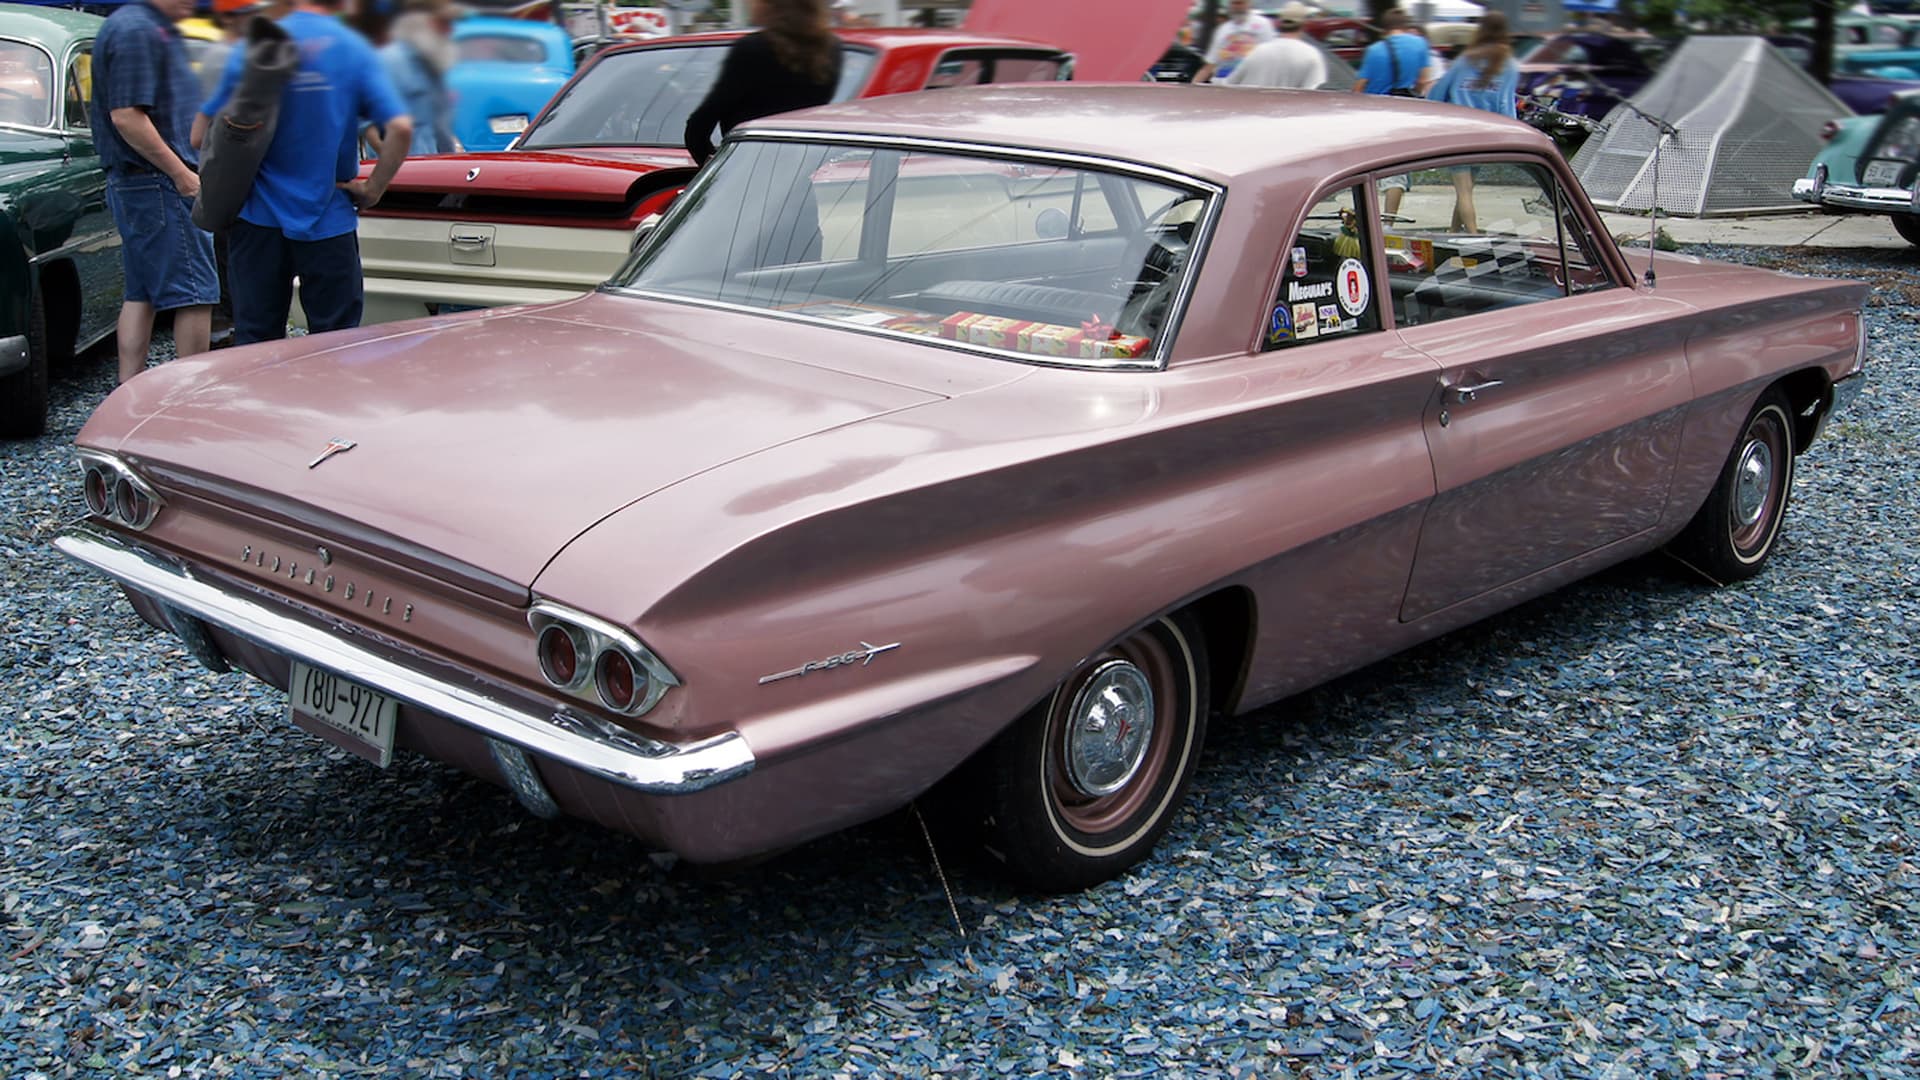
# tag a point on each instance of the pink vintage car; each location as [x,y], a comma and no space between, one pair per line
[988,440]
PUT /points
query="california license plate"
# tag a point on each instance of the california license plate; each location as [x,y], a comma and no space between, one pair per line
[1881,174]
[507,125]
[356,718]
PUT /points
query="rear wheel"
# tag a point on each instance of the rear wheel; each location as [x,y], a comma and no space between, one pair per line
[23,395]
[1083,786]
[1908,226]
[1734,533]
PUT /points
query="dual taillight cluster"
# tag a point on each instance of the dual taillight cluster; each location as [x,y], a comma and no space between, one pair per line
[596,661]
[115,492]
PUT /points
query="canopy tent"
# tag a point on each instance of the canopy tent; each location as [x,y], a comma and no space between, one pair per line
[1748,121]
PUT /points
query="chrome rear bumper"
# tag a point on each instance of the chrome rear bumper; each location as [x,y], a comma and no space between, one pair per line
[1892,200]
[584,742]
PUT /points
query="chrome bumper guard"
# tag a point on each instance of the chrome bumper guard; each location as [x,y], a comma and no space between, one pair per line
[1892,200]
[584,742]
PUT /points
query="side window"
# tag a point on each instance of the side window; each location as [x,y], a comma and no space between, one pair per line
[1326,286]
[79,86]
[1467,239]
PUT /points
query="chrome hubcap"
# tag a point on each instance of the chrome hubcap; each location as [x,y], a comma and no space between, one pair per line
[1109,728]
[1753,480]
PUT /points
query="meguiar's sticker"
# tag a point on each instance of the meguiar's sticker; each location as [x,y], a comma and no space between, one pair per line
[1304,324]
[1352,288]
[1299,262]
[1280,327]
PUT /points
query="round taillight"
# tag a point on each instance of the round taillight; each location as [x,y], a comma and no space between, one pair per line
[613,676]
[1828,130]
[559,656]
[129,503]
[97,491]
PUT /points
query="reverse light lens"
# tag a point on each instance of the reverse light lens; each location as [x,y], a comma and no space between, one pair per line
[98,492]
[614,677]
[559,656]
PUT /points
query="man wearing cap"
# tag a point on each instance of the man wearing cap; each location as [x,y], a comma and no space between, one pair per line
[300,217]
[417,59]
[1289,61]
[144,85]
[1243,30]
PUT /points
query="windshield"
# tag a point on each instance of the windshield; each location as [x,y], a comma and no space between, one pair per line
[26,85]
[643,97]
[1048,262]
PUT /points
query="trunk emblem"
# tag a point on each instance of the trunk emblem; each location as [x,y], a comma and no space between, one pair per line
[473,174]
[334,446]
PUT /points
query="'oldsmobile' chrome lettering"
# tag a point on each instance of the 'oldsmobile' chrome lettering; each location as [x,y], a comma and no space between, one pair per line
[252,556]
[1319,290]
[863,656]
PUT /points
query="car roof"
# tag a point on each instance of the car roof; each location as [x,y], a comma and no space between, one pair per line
[47,25]
[1216,134]
[881,38]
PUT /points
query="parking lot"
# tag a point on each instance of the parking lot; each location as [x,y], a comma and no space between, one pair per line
[1643,826]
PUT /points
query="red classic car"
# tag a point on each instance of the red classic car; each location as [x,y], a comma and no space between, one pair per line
[987,441]
[555,214]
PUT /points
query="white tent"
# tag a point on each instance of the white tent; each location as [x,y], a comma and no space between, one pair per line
[1426,11]
[1749,121]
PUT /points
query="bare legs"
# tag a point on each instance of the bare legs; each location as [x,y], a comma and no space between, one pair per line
[1465,219]
[192,327]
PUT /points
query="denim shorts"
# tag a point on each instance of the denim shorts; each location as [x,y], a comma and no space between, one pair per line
[167,258]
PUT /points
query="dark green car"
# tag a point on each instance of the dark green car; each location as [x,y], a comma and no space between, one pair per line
[60,278]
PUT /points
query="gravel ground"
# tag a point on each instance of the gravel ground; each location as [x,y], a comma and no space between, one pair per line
[1639,827]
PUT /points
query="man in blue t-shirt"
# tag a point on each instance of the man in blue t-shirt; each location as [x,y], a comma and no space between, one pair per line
[145,89]
[1395,66]
[301,216]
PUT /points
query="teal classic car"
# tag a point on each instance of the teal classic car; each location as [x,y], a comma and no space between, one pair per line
[1871,165]
[60,279]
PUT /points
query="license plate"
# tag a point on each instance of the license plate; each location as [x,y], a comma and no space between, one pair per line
[1881,174]
[356,718]
[508,125]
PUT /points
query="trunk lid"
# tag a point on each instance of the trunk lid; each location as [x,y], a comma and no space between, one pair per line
[496,440]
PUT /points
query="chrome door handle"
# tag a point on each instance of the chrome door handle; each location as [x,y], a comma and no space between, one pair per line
[471,241]
[1466,394]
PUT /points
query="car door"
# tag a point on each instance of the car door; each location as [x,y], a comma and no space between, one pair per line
[95,241]
[1556,420]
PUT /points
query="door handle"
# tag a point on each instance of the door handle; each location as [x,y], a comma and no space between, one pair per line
[1465,394]
[475,241]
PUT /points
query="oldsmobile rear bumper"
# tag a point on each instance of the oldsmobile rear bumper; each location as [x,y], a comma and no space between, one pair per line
[575,739]
[1822,192]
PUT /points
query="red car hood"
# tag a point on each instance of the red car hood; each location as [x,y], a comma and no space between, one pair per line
[588,175]
[492,440]
[1108,44]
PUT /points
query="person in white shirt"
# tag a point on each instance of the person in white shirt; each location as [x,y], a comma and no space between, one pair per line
[1289,61]
[1243,30]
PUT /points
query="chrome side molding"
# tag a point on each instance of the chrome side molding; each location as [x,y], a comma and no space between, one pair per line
[586,743]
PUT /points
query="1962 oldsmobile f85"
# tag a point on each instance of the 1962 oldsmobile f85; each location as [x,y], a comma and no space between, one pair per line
[993,437]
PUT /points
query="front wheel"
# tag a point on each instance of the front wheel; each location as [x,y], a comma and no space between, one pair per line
[1083,786]
[1732,535]
[1908,226]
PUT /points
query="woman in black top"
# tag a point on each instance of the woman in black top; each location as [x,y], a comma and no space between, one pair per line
[792,62]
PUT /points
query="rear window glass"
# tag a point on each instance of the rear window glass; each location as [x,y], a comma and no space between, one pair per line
[501,48]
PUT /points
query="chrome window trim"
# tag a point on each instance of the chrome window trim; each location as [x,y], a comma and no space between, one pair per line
[1163,346]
